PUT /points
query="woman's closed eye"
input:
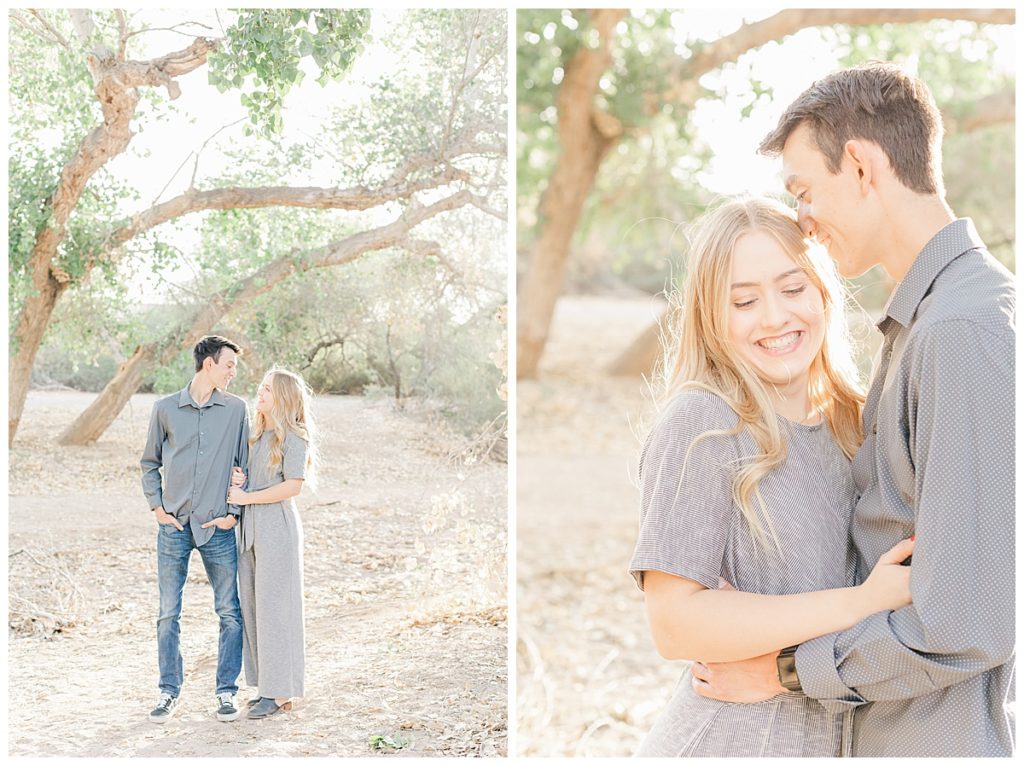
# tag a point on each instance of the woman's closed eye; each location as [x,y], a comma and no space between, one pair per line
[744,304]
[794,290]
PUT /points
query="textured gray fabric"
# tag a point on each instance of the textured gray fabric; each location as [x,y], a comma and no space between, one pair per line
[196,447]
[690,527]
[932,679]
[270,577]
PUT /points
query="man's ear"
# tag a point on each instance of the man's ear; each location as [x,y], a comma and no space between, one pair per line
[862,157]
[208,363]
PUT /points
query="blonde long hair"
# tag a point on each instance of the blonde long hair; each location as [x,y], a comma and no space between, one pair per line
[290,412]
[698,353]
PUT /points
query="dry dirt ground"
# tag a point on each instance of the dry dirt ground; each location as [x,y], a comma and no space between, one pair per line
[405,595]
[589,682]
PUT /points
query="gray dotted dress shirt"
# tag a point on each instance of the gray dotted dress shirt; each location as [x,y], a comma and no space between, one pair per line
[933,678]
[196,446]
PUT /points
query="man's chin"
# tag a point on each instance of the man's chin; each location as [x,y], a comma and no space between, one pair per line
[848,269]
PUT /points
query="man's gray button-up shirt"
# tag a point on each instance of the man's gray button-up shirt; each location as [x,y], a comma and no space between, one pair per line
[196,447]
[933,678]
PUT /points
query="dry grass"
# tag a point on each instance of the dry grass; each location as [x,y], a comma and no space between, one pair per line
[405,598]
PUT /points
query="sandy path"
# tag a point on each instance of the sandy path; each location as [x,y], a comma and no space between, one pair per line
[405,598]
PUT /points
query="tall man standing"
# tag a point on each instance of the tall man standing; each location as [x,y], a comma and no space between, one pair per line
[196,436]
[861,153]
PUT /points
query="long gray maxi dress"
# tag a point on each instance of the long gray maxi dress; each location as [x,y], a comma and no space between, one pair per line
[270,576]
[690,527]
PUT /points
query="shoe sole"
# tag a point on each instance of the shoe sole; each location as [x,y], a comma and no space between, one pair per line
[161,719]
[286,707]
[229,716]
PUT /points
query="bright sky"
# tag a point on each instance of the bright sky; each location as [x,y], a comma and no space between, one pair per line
[207,110]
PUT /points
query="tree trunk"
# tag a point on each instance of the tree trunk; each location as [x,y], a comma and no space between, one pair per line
[91,424]
[642,355]
[116,82]
[97,417]
[32,322]
[585,136]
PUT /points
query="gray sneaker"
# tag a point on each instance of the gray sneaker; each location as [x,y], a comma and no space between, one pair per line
[164,709]
[226,708]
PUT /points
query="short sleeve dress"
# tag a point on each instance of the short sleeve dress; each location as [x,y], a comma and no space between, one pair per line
[690,527]
[270,575]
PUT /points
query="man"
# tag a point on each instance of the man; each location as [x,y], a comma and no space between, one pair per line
[197,435]
[861,154]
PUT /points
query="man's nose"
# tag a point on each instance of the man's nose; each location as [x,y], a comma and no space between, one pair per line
[807,224]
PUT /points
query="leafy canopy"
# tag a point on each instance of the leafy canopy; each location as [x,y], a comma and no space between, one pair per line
[262,51]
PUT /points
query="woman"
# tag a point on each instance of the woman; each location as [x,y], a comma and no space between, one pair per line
[746,477]
[282,456]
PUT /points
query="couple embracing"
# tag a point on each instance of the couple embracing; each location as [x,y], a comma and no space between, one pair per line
[228,492]
[839,565]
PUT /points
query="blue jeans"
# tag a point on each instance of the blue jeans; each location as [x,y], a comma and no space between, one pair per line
[220,557]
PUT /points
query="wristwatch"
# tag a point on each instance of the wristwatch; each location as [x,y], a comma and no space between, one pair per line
[786,664]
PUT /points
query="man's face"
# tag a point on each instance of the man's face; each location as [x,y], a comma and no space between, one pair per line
[830,207]
[222,371]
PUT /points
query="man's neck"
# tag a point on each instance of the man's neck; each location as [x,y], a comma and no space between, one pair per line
[914,219]
[200,389]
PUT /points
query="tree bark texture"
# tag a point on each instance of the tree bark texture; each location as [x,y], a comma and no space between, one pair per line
[585,136]
[95,419]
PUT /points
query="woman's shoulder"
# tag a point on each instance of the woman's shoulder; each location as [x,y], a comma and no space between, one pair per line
[691,414]
[294,440]
[699,408]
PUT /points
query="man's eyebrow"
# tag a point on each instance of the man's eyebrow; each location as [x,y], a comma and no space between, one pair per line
[779,278]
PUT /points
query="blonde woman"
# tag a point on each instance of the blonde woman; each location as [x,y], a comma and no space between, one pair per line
[746,477]
[282,457]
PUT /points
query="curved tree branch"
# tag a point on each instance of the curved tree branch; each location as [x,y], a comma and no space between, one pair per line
[994,109]
[92,422]
[755,34]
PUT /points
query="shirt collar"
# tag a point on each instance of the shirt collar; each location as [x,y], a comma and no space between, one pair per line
[185,399]
[952,241]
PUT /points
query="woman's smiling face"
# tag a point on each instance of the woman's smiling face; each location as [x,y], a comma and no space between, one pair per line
[776,313]
[265,396]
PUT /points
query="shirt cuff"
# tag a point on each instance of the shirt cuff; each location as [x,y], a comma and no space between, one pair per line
[819,676]
[155,501]
[234,510]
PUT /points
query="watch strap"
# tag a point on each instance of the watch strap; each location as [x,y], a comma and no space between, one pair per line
[786,664]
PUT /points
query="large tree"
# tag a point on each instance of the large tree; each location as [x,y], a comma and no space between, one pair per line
[644,75]
[259,54]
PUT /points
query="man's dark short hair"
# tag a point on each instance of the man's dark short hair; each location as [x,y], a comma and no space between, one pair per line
[212,345]
[875,102]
